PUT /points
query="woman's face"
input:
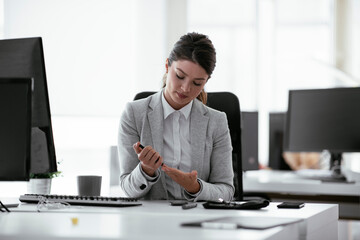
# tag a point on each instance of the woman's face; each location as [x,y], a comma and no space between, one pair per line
[185,80]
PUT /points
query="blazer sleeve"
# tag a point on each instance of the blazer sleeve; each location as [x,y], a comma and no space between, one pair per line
[133,181]
[220,183]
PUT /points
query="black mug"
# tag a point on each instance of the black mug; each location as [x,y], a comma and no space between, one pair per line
[89,185]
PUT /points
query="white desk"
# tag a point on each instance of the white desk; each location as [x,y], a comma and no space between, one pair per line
[159,220]
[285,185]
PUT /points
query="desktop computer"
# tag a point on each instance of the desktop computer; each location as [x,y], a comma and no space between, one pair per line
[276,141]
[249,140]
[324,119]
[24,58]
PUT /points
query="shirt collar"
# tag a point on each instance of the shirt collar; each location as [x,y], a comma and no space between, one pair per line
[169,110]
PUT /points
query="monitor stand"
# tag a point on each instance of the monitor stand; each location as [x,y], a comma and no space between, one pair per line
[335,169]
[334,173]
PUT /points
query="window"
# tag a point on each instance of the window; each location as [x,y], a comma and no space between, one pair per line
[304,43]
[265,48]
[233,32]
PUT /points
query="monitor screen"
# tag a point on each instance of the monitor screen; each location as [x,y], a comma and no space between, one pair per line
[320,119]
[24,58]
[15,129]
[249,140]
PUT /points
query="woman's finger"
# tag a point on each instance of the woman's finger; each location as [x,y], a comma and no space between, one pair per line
[137,147]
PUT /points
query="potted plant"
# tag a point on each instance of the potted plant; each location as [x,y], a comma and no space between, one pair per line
[40,183]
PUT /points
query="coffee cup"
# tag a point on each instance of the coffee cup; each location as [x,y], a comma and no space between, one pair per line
[89,185]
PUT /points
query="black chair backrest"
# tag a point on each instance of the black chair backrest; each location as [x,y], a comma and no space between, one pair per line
[141,95]
[229,103]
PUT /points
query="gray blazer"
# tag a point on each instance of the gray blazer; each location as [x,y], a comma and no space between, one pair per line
[142,120]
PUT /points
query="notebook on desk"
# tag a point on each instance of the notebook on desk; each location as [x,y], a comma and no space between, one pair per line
[257,223]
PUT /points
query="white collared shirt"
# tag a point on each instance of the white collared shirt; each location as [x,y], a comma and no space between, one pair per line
[177,148]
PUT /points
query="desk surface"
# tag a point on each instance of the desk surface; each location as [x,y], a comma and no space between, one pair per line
[159,220]
[289,182]
[287,186]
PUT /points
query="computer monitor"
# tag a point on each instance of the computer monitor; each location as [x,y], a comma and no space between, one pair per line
[324,119]
[15,128]
[276,141]
[250,138]
[24,58]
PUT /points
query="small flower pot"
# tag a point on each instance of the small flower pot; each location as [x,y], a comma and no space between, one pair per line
[39,186]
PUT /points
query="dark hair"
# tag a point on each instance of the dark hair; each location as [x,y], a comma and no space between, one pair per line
[197,48]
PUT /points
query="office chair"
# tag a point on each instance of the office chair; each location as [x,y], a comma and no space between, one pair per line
[229,103]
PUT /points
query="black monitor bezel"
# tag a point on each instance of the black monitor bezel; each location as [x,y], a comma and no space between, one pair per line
[250,147]
[37,42]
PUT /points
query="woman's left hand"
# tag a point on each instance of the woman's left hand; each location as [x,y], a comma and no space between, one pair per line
[186,180]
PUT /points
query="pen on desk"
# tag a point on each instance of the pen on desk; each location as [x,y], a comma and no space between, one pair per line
[142,147]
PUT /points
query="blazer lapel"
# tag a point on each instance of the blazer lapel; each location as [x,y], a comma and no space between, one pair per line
[156,122]
[198,125]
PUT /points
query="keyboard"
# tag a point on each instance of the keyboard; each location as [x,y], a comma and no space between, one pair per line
[82,200]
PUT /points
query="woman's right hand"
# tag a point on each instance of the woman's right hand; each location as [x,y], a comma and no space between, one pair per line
[150,159]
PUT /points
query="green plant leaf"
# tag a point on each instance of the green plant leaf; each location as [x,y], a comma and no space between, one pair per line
[45,175]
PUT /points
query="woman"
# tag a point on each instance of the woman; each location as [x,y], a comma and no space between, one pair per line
[185,150]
